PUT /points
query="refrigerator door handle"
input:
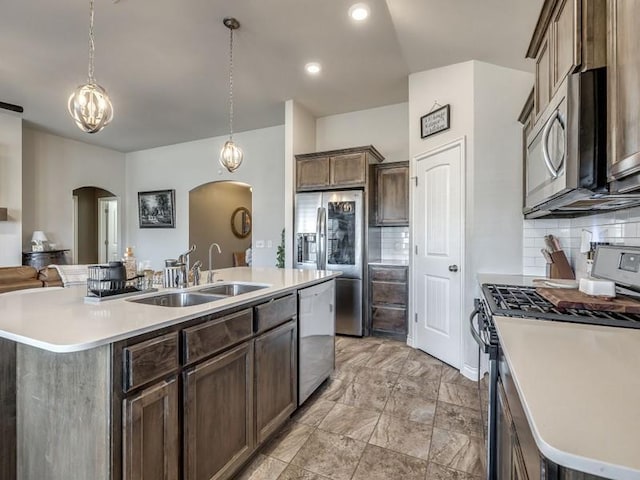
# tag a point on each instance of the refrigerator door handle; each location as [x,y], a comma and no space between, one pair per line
[321,235]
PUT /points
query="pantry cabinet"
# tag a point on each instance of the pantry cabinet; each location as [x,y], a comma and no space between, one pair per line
[623,94]
[345,168]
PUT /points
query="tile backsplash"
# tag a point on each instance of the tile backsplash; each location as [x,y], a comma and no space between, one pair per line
[620,227]
[389,243]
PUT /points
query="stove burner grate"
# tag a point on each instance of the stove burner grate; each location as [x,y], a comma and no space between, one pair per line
[519,301]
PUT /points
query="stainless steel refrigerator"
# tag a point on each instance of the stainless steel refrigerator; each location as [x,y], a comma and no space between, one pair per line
[329,235]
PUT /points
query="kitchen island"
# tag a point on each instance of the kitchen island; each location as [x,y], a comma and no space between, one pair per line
[127,390]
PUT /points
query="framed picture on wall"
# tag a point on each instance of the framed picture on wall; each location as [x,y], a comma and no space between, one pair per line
[157,209]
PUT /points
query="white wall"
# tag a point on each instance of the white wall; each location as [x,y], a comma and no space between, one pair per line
[11,187]
[451,85]
[300,137]
[184,166]
[386,128]
[496,210]
[53,167]
[485,102]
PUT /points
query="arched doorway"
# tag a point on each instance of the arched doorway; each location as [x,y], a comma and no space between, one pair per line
[220,212]
[95,226]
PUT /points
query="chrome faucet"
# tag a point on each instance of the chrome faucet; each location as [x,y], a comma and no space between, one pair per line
[183,261]
[210,273]
[195,269]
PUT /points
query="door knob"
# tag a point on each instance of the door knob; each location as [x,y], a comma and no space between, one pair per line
[453,268]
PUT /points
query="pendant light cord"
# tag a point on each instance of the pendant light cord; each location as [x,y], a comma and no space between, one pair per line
[230,83]
[92,45]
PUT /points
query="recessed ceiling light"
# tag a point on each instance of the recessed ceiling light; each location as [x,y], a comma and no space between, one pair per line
[313,68]
[359,11]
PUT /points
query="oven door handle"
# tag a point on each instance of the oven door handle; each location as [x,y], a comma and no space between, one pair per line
[475,334]
[546,131]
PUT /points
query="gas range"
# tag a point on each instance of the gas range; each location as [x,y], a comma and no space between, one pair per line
[525,302]
[618,264]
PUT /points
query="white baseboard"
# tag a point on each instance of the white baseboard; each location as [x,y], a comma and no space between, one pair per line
[470,372]
[410,342]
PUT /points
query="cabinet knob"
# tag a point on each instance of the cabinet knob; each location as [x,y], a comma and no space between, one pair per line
[453,268]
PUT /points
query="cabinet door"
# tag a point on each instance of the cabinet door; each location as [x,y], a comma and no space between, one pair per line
[623,92]
[276,378]
[566,40]
[150,436]
[348,170]
[392,196]
[543,76]
[312,173]
[218,415]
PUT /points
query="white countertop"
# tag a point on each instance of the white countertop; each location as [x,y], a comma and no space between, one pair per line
[58,320]
[506,279]
[580,389]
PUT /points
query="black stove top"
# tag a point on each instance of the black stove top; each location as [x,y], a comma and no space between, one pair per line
[525,302]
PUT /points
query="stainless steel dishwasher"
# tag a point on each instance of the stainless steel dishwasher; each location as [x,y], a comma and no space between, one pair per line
[316,337]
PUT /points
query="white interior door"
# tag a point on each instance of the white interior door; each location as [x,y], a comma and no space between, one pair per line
[107,229]
[437,255]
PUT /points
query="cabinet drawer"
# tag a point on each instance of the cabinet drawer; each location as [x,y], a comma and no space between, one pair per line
[275,312]
[149,360]
[389,319]
[215,335]
[389,293]
[388,274]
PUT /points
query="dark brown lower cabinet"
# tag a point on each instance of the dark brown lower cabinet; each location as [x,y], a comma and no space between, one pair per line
[275,378]
[388,300]
[218,414]
[150,434]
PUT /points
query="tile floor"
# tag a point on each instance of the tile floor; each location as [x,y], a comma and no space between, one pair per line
[388,412]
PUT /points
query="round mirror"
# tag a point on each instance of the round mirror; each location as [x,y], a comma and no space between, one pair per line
[241,222]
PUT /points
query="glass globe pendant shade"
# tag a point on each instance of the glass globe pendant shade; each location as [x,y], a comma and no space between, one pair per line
[90,107]
[231,156]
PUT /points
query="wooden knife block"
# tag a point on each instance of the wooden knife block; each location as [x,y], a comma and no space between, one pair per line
[560,267]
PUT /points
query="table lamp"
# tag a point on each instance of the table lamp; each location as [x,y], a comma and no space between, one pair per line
[38,241]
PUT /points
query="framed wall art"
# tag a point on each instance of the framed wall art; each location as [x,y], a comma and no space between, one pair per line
[156,209]
[435,121]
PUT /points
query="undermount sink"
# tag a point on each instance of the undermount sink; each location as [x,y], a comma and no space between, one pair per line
[178,299]
[231,289]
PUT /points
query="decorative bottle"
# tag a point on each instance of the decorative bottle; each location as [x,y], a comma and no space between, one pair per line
[129,261]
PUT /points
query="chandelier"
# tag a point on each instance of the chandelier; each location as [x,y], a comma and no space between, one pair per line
[231,155]
[89,104]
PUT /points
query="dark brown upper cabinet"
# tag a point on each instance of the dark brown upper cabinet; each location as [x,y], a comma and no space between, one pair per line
[623,116]
[390,196]
[346,168]
[570,36]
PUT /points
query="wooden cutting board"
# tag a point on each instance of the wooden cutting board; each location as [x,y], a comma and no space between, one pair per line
[574,298]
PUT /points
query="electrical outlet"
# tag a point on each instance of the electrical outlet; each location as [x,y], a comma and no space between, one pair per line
[269,244]
[259,243]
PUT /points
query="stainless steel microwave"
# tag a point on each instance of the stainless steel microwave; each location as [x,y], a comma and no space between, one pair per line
[566,162]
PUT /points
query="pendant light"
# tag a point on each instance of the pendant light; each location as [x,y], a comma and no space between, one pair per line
[89,104]
[231,155]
